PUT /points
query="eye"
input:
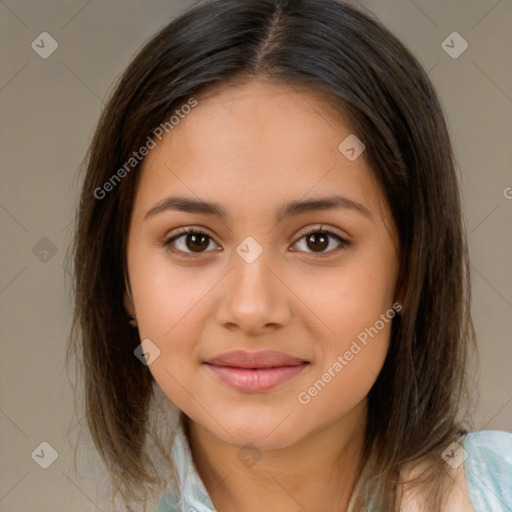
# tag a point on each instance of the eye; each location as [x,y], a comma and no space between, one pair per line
[195,241]
[319,239]
[190,241]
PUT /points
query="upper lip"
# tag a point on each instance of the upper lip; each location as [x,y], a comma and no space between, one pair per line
[262,359]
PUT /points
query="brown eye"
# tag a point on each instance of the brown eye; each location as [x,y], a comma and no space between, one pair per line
[196,242]
[318,240]
[189,241]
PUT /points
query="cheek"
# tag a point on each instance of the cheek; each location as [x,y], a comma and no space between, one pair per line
[348,299]
[169,304]
[165,294]
[349,368]
[356,305]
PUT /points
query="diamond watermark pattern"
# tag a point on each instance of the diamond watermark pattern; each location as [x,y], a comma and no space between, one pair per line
[44,45]
[147,352]
[249,455]
[351,148]
[44,250]
[454,45]
[454,455]
[45,455]
[249,250]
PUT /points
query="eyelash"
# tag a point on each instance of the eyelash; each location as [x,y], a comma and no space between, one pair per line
[192,231]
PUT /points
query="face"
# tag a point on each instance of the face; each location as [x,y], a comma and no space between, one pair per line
[314,283]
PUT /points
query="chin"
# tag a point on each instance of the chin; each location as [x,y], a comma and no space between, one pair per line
[268,432]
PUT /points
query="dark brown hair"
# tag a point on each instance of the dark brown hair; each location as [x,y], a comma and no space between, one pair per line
[388,100]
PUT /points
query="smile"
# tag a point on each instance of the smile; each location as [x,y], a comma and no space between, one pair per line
[253,372]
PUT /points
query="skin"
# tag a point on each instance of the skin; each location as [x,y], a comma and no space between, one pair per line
[455,490]
[252,147]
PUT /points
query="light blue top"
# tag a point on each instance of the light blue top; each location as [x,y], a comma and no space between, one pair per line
[488,468]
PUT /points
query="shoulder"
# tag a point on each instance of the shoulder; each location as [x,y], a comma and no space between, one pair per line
[488,469]
[454,490]
[479,475]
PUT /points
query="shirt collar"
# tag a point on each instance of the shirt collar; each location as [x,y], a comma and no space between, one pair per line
[191,494]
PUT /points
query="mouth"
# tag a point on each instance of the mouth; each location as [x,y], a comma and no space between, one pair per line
[257,371]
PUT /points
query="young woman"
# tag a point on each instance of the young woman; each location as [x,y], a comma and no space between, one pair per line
[271,277]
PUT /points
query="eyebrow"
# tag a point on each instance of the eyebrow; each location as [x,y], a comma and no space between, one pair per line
[293,208]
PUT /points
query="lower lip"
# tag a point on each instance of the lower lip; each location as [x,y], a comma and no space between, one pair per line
[255,380]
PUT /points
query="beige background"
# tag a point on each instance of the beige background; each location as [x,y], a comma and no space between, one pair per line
[49,108]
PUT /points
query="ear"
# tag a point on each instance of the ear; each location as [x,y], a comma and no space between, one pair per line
[398,300]
[128,306]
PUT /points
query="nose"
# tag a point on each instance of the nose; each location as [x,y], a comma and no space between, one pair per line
[255,299]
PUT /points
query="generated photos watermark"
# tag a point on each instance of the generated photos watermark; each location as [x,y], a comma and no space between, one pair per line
[304,397]
[138,156]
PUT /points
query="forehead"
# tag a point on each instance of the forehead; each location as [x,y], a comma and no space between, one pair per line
[257,142]
[244,95]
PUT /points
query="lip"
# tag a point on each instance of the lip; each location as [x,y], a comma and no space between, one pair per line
[255,371]
[261,359]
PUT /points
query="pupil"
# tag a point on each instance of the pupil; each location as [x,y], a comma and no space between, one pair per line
[194,237]
[313,238]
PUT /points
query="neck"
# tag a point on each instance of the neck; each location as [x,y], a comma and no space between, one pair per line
[316,473]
